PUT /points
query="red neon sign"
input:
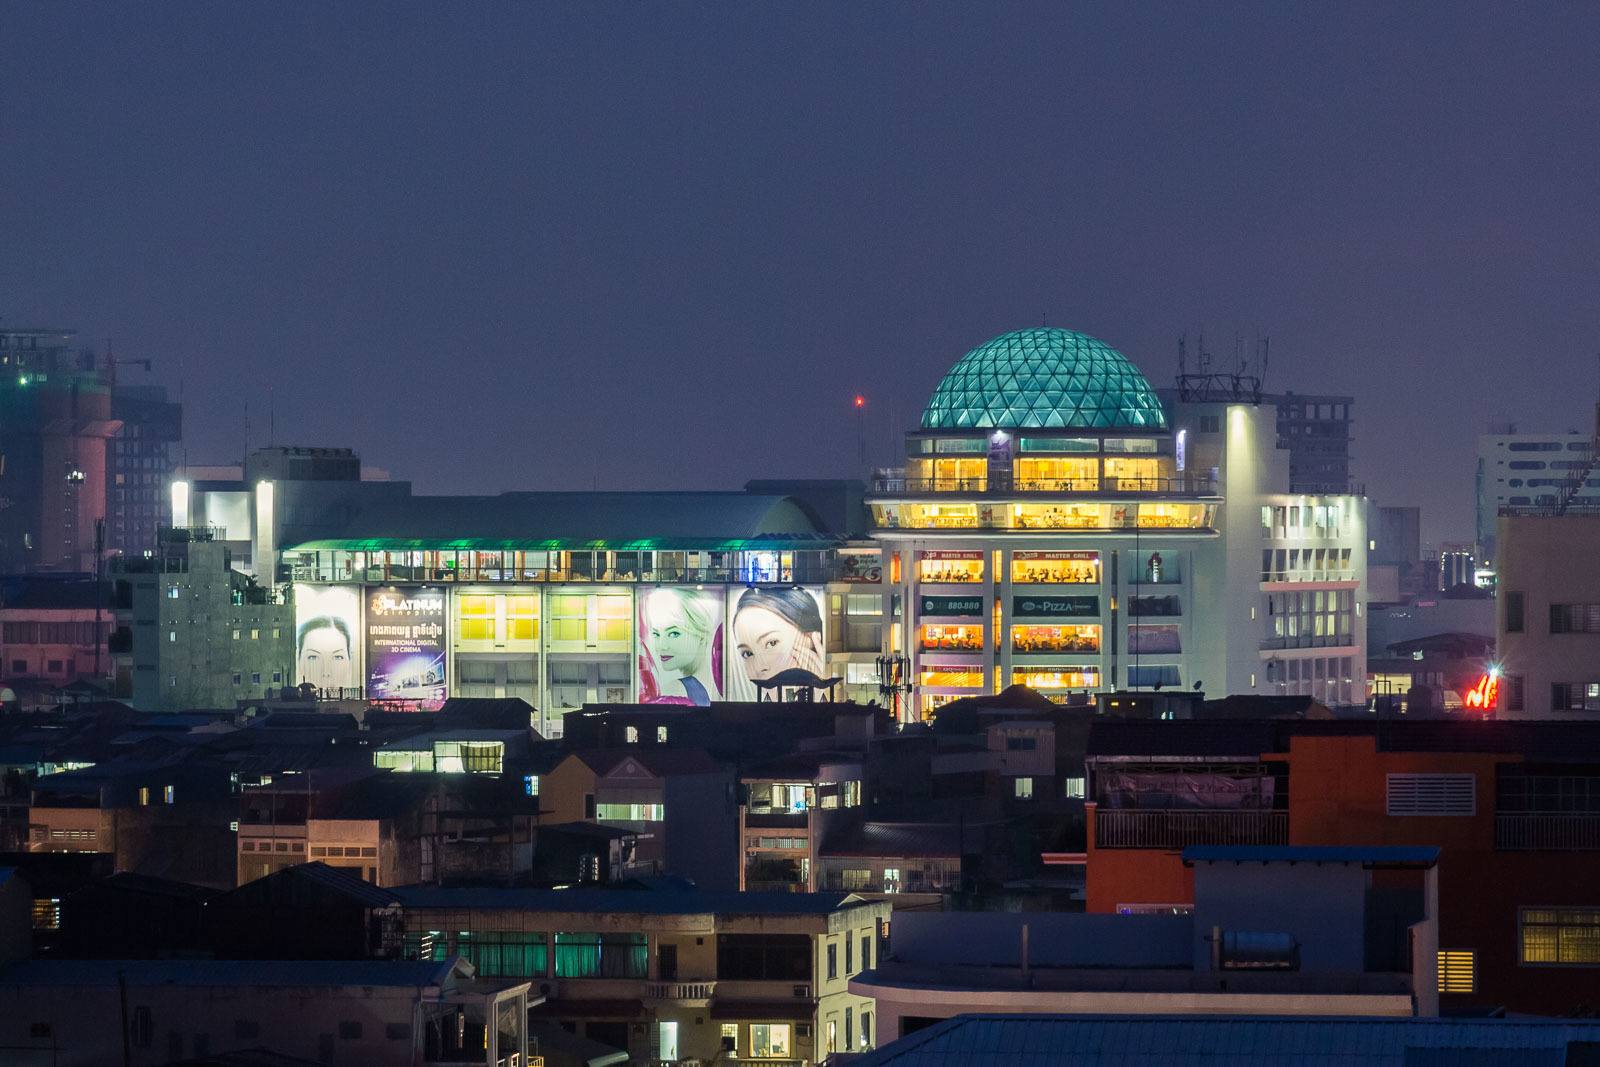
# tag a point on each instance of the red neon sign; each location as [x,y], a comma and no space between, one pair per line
[1485,694]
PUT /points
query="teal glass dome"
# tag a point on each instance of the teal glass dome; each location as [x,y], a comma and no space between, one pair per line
[1044,378]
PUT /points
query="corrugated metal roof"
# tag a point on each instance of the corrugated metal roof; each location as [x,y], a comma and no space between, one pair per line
[624,901]
[575,520]
[344,882]
[1367,855]
[1198,1041]
[199,973]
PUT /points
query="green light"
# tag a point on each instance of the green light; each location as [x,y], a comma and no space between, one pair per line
[1044,377]
[23,380]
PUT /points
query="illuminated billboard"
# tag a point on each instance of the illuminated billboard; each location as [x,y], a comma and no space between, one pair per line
[405,645]
[770,631]
[327,620]
[681,644]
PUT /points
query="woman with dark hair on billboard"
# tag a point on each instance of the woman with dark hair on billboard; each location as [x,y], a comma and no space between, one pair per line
[325,657]
[776,629]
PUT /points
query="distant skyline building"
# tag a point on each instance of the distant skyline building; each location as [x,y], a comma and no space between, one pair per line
[1527,470]
[55,425]
[140,466]
[1315,431]
[76,448]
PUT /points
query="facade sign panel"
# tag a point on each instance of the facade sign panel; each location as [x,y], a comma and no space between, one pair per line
[327,645]
[773,630]
[681,643]
[952,606]
[1056,607]
[406,644]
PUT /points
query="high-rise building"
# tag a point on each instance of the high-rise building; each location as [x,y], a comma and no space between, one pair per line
[140,466]
[55,425]
[1315,431]
[1528,470]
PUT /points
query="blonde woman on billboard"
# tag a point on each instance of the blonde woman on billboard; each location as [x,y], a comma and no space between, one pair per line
[776,629]
[680,634]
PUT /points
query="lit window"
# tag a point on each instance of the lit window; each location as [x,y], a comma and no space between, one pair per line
[630,734]
[1458,971]
[1560,936]
[167,794]
[47,913]
[530,785]
[769,1040]
[1022,788]
[661,735]
[631,812]
[1073,788]
[144,796]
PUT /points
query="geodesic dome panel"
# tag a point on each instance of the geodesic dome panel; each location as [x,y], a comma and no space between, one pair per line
[1044,378]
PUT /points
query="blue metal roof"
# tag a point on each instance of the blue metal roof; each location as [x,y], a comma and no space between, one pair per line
[1202,1041]
[1367,855]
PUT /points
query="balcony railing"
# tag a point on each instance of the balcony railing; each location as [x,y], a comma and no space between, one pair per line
[679,990]
[1178,829]
[1557,832]
[776,820]
[1197,484]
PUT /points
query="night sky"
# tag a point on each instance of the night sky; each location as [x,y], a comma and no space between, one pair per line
[661,246]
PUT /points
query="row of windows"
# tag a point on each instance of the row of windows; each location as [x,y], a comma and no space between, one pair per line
[52,633]
[1550,937]
[1546,446]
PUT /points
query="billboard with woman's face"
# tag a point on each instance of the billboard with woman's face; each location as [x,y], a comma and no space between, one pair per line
[770,631]
[327,620]
[680,646]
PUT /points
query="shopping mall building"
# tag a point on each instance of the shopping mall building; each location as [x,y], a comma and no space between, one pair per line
[1056,524]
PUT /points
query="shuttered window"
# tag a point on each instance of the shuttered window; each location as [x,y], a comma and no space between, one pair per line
[1433,794]
[1458,971]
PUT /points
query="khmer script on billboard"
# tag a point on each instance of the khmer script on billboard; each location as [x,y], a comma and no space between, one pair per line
[405,645]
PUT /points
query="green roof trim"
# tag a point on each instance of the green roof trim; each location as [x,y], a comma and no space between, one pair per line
[776,543]
[1044,378]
